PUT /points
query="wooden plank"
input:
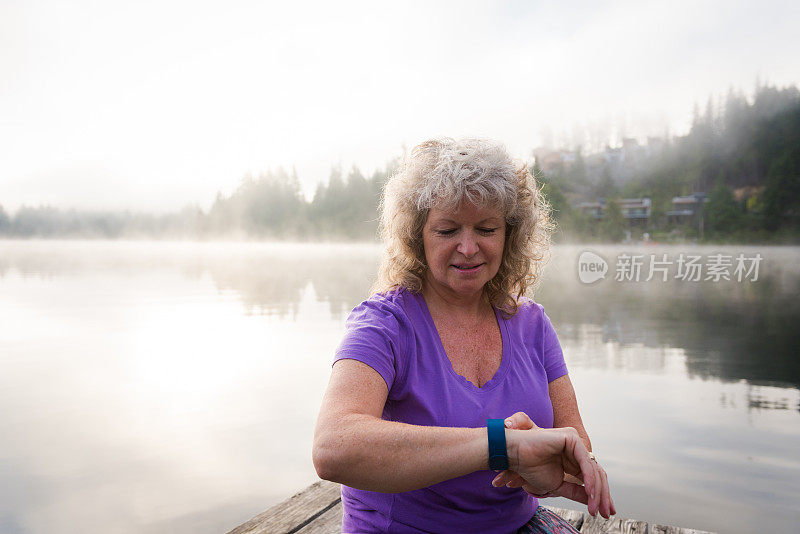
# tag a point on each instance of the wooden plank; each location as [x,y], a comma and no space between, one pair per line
[666,529]
[331,521]
[615,525]
[318,510]
[573,517]
[291,514]
[328,523]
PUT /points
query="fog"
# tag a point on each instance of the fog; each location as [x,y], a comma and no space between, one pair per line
[155,106]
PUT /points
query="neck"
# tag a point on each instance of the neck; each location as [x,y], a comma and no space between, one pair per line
[469,307]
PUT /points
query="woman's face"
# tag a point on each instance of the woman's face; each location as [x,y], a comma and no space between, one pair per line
[463,248]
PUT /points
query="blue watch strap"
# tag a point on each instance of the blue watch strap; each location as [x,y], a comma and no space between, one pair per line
[498,454]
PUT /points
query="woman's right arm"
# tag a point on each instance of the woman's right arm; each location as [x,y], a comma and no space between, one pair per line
[355,447]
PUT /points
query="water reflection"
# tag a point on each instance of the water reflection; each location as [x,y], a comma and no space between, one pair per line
[269,278]
[272,282]
[729,330]
[141,383]
[147,402]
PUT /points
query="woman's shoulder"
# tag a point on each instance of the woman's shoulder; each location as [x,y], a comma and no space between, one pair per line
[533,322]
[528,309]
[397,297]
[530,314]
[397,302]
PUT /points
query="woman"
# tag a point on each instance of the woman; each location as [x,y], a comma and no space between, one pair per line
[445,343]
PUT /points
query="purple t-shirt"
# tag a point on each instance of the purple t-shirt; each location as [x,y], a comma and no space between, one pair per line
[394,334]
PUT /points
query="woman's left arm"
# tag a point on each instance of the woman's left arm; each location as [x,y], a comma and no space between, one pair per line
[565,408]
[565,414]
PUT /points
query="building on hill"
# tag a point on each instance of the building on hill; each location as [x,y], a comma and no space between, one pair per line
[635,211]
[687,209]
[593,209]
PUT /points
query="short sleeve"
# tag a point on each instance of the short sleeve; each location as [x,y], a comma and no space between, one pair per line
[373,336]
[554,364]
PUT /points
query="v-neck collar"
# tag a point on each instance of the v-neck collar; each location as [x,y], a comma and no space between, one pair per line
[498,376]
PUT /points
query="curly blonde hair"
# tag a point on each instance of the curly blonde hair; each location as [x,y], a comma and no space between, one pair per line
[443,173]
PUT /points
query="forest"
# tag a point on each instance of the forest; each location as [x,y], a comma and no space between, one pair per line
[742,152]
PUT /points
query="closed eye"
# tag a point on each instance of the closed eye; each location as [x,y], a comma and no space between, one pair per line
[487,231]
[445,232]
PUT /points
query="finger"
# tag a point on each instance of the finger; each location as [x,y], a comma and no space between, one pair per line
[571,491]
[508,478]
[516,482]
[598,489]
[609,504]
[605,504]
[570,462]
[605,498]
[520,421]
[502,478]
[587,474]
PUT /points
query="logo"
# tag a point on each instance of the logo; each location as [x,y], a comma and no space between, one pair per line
[591,267]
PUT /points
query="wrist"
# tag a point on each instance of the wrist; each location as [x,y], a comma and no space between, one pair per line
[481,444]
[512,446]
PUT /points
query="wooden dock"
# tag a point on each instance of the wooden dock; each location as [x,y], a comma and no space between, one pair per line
[318,510]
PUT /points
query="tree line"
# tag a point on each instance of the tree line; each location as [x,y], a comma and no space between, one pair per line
[268,206]
[744,152]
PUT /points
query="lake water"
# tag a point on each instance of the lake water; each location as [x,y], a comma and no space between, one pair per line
[173,387]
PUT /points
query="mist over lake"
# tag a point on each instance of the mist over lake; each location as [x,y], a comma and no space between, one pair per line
[169,386]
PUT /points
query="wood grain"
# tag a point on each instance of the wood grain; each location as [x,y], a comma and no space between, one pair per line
[318,510]
[295,512]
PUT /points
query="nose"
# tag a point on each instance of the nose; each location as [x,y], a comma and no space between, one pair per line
[468,244]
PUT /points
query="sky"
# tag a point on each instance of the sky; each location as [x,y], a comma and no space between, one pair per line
[154,105]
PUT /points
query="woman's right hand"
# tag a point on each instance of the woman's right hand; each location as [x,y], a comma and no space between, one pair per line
[539,458]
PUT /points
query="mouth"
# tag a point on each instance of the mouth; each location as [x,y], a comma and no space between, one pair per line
[467,267]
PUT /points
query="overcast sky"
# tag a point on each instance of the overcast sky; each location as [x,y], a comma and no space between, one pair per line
[154,105]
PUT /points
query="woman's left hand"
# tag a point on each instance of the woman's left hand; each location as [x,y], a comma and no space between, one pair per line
[572,491]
